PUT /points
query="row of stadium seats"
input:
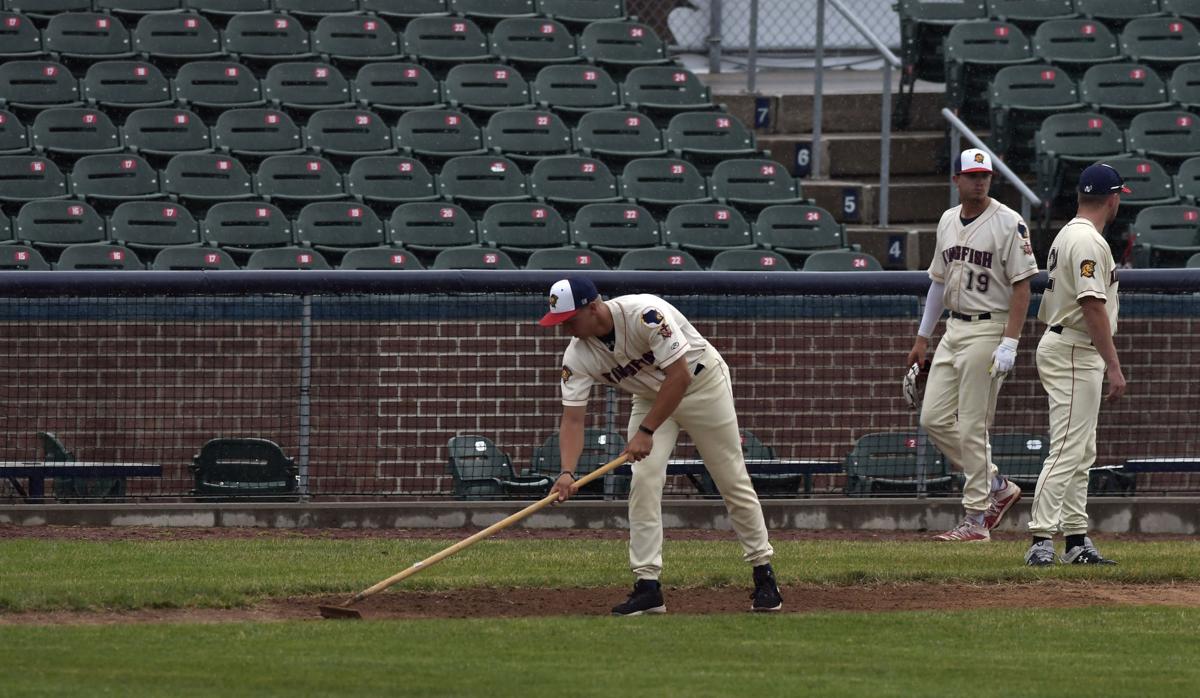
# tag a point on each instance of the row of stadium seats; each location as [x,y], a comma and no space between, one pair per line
[32,85]
[118,258]
[471,179]
[429,227]
[343,38]
[67,133]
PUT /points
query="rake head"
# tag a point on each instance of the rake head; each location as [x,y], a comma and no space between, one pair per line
[339,613]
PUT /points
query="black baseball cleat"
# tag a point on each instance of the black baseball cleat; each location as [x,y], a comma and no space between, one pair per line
[646,597]
[766,592]
[1086,554]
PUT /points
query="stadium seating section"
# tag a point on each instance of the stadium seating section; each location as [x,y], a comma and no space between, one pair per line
[375,134]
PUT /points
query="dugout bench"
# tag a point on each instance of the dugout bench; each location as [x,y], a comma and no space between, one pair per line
[73,478]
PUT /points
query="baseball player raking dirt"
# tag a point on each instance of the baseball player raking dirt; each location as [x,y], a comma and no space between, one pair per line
[980,272]
[1080,308]
[642,345]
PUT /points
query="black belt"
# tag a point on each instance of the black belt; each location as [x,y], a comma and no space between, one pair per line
[970,318]
[1057,329]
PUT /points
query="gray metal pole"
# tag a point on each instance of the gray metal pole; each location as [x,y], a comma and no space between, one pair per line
[305,385]
[955,149]
[885,145]
[714,37]
[818,91]
[752,59]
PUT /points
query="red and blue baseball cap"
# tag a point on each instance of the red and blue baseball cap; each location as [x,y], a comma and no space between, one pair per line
[1101,179]
[568,297]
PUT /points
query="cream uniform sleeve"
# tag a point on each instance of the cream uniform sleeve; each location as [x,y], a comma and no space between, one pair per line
[1019,262]
[576,384]
[658,326]
[1092,267]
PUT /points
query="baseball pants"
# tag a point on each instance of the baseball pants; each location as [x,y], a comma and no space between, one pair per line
[707,414]
[960,402]
[1072,373]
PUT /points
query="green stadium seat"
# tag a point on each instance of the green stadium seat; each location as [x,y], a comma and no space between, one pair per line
[974,52]
[404,9]
[1165,236]
[37,85]
[599,448]
[1116,13]
[1184,86]
[1075,44]
[298,178]
[442,41]
[145,226]
[923,30]
[1149,182]
[473,257]
[1189,9]
[659,259]
[56,224]
[1121,90]
[841,260]
[533,41]
[6,232]
[45,9]
[429,226]
[206,178]
[356,39]
[71,131]
[615,228]
[707,138]
[223,9]
[618,136]
[263,37]
[527,136]
[312,10]
[176,36]
[566,258]
[1167,136]
[114,177]
[1020,456]
[753,184]
[521,227]
[750,260]
[306,86]
[582,11]
[19,37]
[244,226]
[288,258]
[486,87]
[573,181]
[1187,180]
[88,36]
[892,461]
[1027,14]
[14,138]
[438,134]
[706,228]
[256,133]
[1066,143]
[798,231]
[21,258]
[397,87]
[217,85]
[138,8]
[380,259]
[1192,263]
[389,180]
[348,133]
[162,133]
[100,257]
[29,178]
[1020,97]
[125,85]
[493,9]
[194,259]
[339,226]
[482,179]
[575,89]
[480,470]
[244,468]
[1161,42]
[661,89]
[663,182]
[622,45]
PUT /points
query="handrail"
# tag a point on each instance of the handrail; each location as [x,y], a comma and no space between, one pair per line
[957,128]
[866,33]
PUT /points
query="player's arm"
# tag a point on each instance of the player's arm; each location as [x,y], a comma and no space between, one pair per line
[669,396]
[1005,354]
[935,303]
[1096,318]
[570,446]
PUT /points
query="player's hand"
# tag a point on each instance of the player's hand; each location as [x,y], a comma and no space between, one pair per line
[639,446]
[1004,357]
[917,354]
[564,486]
[1116,383]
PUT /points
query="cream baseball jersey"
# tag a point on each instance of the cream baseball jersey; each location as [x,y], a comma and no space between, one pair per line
[1080,265]
[649,334]
[981,261]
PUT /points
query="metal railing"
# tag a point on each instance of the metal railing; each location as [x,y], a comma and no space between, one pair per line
[958,130]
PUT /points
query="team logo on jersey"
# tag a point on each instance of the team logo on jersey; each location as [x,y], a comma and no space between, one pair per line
[1022,231]
[567,373]
[1052,262]
[1027,248]
[665,331]
[1087,268]
[651,317]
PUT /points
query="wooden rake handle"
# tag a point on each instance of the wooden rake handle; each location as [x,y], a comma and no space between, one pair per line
[490,530]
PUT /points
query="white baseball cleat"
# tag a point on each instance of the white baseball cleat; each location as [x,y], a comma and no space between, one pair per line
[965,532]
[1000,502]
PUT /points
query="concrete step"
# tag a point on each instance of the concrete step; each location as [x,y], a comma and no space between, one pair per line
[841,113]
[847,155]
[912,199]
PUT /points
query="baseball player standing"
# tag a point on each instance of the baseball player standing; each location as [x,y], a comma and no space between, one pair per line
[980,271]
[642,345]
[1080,307]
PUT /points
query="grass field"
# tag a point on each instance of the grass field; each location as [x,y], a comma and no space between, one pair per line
[1108,651]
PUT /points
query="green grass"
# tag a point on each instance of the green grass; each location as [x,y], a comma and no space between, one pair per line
[68,574]
[1079,652]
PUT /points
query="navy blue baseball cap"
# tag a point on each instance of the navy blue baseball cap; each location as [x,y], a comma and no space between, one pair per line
[568,297]
[1101,179]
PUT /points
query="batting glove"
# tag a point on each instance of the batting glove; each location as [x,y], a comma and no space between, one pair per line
[1004,357]
[911,397]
